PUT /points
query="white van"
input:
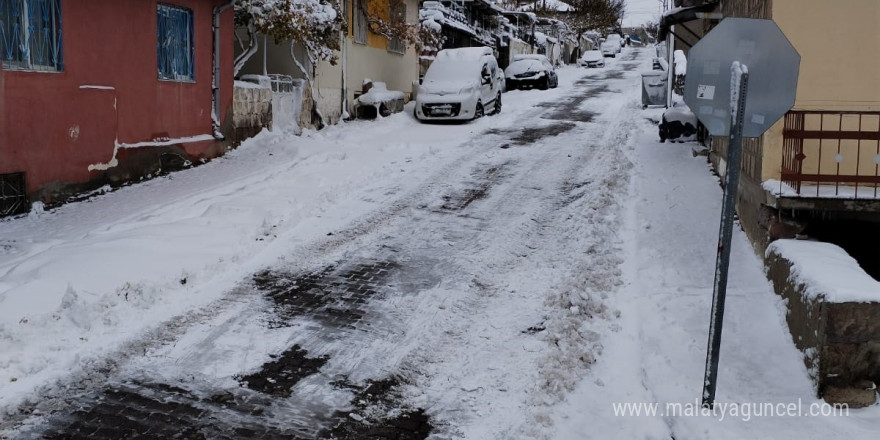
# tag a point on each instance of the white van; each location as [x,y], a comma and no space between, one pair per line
[461,84]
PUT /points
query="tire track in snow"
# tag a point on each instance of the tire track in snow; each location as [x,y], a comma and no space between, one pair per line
[517,208]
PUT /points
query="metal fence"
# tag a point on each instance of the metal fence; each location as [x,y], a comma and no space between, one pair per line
[281,83]
[832,154]
[13,196]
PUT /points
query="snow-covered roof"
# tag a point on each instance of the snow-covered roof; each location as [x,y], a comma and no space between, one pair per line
[435,12]
[547,5]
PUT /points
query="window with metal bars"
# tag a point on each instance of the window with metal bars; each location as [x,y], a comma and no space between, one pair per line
[397,14]
[13,197]
[175,45]
[360,21]
[30,35]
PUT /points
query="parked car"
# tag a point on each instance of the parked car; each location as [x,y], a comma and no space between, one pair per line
[527,71]
[610,49]
[592,58]
[461,84]
[617,39]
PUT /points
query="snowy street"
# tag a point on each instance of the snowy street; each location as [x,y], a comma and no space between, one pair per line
[514,277]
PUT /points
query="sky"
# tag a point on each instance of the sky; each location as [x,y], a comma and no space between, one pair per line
[641,11]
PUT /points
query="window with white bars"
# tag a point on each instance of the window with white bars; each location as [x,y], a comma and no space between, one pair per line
[397,14]
[175,43]
[360,21]
[31,35]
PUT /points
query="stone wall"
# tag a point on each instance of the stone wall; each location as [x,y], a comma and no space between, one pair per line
[251,110]
[840,340]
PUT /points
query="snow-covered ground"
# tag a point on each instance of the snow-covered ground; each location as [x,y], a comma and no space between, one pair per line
[655,352]
[579,279]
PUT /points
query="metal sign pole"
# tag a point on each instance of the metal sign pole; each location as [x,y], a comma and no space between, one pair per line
[728,211]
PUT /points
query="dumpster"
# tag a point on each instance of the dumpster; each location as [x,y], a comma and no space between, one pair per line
[654,88]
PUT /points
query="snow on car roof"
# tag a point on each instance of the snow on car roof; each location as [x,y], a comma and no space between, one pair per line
[464,53]
[457,64]
[527,56]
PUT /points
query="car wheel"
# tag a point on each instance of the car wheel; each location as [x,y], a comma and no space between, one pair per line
[498,104]
[479,111]
[416,114]
[546,84]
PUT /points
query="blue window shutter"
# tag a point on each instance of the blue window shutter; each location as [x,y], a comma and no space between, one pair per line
[31,36]
[175,45]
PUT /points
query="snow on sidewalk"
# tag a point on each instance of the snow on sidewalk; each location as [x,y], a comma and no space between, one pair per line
[655,352]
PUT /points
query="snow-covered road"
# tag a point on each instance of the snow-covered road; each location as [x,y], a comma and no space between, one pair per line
[509,278]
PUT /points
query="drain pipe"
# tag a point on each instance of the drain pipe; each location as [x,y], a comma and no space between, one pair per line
[215,80]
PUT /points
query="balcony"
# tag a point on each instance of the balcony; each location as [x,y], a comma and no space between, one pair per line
[827,154]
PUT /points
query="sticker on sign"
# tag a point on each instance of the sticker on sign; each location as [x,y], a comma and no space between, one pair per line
[705,91]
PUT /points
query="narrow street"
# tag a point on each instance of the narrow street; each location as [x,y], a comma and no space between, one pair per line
[458,308]
[517,277]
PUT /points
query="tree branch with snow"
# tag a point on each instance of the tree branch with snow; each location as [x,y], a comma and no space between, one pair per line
[316,24]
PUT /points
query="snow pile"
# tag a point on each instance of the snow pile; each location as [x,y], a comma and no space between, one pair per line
[826,271]
[679,124]
[680,61]
[778,188]
[681,113]
[430,23]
